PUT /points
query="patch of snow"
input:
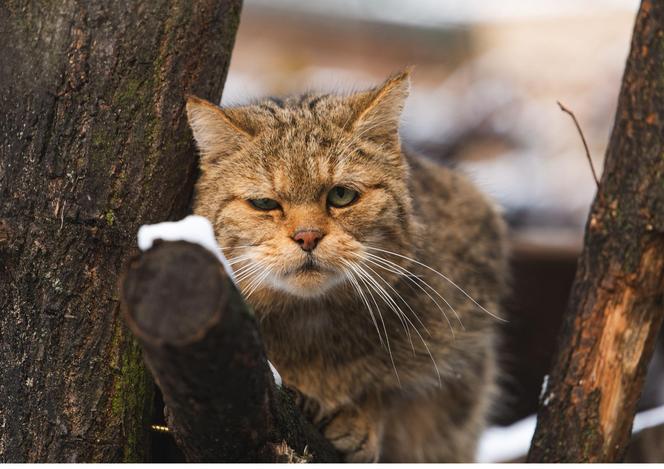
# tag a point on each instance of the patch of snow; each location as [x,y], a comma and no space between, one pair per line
[275,373]
[500,444]
[193,229]
[648,418]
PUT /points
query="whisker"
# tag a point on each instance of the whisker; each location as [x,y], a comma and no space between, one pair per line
[401,298]
[358,275]
[242,270]
[257,280]
[435,365]
[262,277]
[390,303]
[235,260]
[394,307]
[442,276]
[253,274]
[386,298]
[353,281]
[352,265]
[392,267]
[236,247]
[247,270]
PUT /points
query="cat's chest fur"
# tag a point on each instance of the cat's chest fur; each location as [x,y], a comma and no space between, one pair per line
[327,350]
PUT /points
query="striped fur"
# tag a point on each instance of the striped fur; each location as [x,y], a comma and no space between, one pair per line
[392,376]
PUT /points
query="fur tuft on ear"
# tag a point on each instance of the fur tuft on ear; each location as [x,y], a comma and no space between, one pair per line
[216,133]
[378,111]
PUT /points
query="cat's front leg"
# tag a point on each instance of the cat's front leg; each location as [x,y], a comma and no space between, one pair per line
[353,433]
[308,406]
[348,428]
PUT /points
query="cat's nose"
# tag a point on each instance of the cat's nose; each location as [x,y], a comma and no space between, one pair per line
[307,239]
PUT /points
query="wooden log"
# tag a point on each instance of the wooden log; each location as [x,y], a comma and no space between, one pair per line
[205,352]
[617,302]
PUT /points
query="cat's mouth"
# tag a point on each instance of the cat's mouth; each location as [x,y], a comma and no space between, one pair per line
[311,272]
[309,265]
[308,278]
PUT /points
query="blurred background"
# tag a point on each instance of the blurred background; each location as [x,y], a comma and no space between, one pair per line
[486,80]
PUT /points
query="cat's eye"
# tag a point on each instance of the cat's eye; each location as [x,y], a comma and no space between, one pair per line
[264,204]
[341,196]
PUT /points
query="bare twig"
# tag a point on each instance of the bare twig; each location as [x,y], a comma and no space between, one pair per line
[583,139]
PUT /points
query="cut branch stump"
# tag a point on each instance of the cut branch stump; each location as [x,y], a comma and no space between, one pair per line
[205,352]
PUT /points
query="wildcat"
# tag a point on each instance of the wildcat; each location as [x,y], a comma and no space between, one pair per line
[376,276]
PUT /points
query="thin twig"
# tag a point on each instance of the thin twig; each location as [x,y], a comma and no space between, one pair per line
[583,139]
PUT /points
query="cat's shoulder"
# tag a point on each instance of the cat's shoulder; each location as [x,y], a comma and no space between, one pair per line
[441,181]
[443,193]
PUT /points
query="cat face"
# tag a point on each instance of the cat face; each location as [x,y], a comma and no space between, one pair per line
[297,189]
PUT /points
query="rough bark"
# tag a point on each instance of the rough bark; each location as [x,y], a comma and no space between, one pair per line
[616,305]
[93,143]
[205,352]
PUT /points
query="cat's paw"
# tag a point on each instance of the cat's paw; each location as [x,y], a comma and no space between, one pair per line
[353,435]
[308,406]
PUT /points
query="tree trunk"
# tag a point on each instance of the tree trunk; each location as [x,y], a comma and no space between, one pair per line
[205,352]
[617,301]
[94,143]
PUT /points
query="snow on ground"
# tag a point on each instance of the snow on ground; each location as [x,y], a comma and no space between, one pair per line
[648,419]
[500,444]
[193,229]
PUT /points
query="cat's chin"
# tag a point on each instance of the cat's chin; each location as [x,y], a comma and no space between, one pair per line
[311,284]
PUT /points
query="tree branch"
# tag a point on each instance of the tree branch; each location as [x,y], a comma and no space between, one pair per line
[583,140]
[205,352]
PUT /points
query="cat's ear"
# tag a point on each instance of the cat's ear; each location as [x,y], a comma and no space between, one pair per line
[378,111]
[218,132]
